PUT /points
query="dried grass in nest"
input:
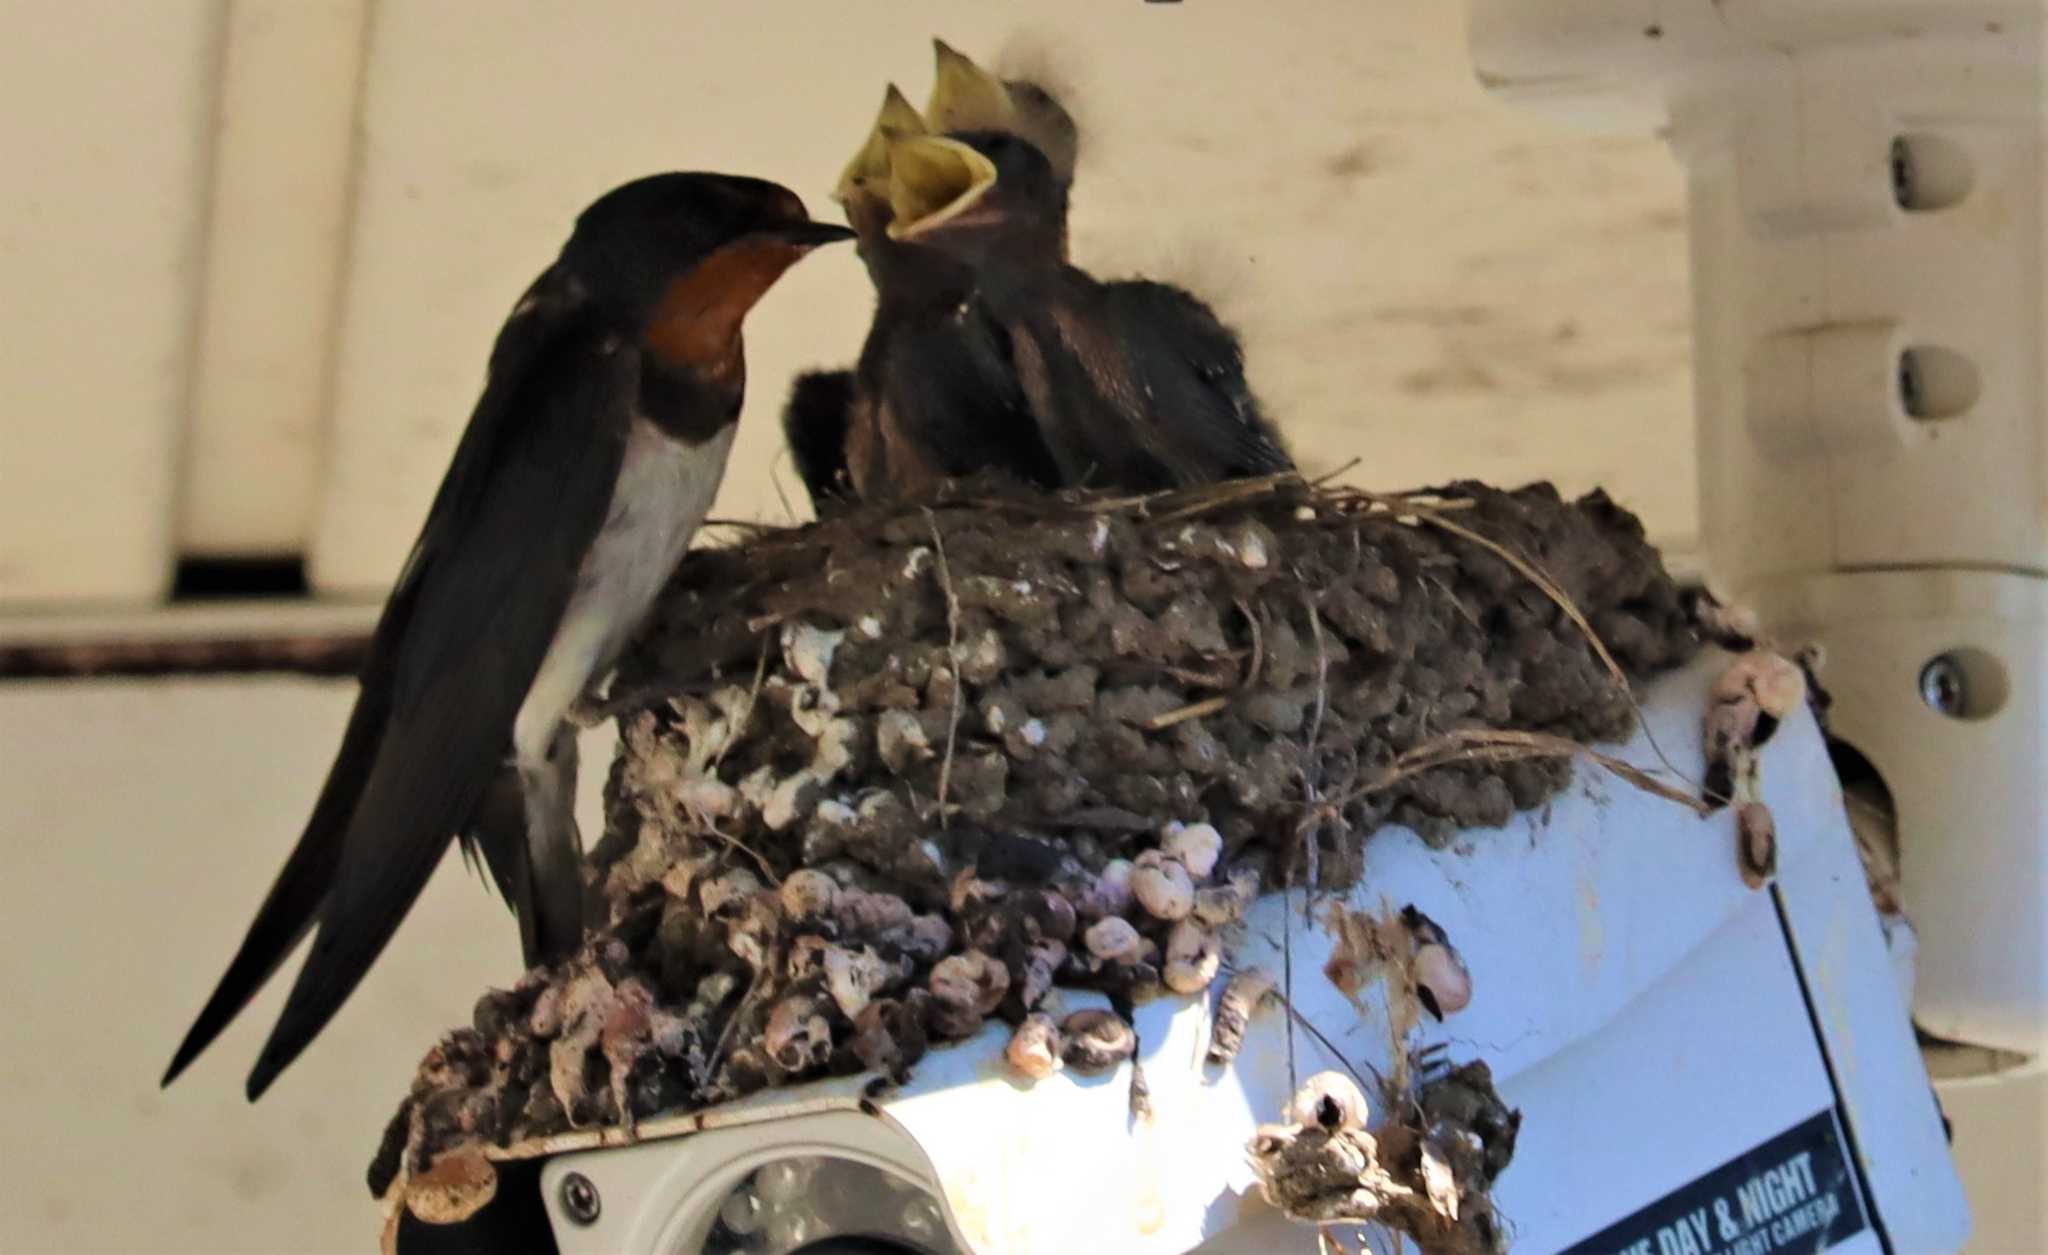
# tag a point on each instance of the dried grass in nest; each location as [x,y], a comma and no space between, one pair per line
[891,774]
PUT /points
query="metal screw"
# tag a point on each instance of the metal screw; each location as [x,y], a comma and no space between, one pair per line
[1912,397]
[1904,194]
[1943,688]
[580,1200]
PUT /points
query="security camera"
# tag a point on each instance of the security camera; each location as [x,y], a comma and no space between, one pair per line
[1699,1065]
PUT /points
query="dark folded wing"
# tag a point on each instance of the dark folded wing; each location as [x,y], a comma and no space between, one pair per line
[487,587]
[1202,420]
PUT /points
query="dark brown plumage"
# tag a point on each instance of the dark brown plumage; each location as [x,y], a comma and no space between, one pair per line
[588,463]
[988,350]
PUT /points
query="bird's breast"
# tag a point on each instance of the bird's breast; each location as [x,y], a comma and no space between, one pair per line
[665,488]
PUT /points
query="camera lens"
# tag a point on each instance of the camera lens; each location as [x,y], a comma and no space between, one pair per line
[819,1205]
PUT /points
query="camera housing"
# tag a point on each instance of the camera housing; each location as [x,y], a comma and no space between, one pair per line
[1686,1052]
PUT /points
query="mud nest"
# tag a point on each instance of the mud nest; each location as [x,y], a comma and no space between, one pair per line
[887,776]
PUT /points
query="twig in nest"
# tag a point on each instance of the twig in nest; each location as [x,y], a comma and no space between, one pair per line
[1312,768]
[1296,1016]
[1194,710]
[1114,505]
[1404,500]
[732,1022]
[1315,727]
[760,860]
[953,655]
[1464,611]
[1287,981]
[1434,516]
[775,482]
[747,715]
[1199,679]
[1327,476]
[1258,658]
[1181,503]
[1500,745]
[1528,570]
[1231,490]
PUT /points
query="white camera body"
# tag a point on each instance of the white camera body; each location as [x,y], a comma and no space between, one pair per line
[1702,1067]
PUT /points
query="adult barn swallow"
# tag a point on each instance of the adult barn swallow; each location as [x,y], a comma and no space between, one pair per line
[1134,385]
[597,446]
[933,395]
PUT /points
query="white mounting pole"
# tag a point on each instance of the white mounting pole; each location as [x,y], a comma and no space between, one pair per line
[1866,189]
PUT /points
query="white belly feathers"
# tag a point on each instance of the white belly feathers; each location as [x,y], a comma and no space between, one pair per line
[665,488]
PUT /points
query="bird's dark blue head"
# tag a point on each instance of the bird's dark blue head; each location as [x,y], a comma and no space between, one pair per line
[979,196]
[683,257]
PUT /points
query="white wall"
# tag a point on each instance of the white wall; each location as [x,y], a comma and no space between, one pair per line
[1430,282]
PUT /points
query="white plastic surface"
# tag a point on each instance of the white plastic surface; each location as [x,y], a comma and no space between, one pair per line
[1890,527]
[1978,903]
[1635,1000]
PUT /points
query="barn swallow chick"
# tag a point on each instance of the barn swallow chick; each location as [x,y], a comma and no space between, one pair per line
[933,396]
[819,415]
[869,168]
[1131,385]
[966,98]
[607,413]
[885,415]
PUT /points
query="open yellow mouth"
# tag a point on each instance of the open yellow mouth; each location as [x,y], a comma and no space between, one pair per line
[869,169]
[932,181]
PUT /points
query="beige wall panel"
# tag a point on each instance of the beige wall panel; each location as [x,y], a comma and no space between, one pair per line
[274,256]
[109,107]
[1428,281]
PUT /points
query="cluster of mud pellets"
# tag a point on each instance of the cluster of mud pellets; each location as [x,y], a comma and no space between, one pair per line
[885,778]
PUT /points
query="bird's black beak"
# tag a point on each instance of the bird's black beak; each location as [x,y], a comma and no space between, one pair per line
[808,235]
[933,181]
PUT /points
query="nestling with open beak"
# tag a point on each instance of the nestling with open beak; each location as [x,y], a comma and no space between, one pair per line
[966,97]
[933,396]
[1132,385]
[939,392]
[935,399]
[597,446]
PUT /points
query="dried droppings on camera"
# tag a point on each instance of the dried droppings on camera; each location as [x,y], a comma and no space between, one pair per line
[881,777]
